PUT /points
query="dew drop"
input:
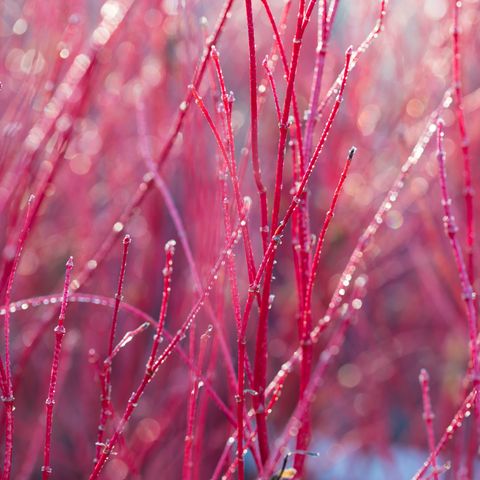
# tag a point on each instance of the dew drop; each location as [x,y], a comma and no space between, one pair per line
[118,227]
[92,264]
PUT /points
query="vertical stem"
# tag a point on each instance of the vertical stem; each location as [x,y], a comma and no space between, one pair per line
[267,267]
[469,191]
[240,395]
[167,282]
[50,402]
[468,293]
[317,76]
[106,376]
[297,42]
[150,367]
[192,408]
[153,366]
[5,373]
[254,124]
[303,438]
[428,417]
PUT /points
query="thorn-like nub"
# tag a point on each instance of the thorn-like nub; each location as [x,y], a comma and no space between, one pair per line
[349,50]
[31,198]
[351,152]
[69,263]
[127,239]
[440,122]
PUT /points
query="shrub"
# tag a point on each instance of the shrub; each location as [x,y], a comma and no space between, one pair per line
[254,209]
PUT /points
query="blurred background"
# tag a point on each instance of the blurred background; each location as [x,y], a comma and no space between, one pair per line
[88,88]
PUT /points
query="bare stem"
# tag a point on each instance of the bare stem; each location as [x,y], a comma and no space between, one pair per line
[306,323]
[457,421]
[254,123]
[5,372]
[152,367]
[50,402]
[192,407]
[428,417]
[451,230]
[106,410]
[465,143]
[167,282]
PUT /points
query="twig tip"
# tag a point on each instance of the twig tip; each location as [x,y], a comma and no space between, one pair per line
[351,152]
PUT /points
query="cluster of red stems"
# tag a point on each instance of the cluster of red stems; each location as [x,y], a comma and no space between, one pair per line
[120,124]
